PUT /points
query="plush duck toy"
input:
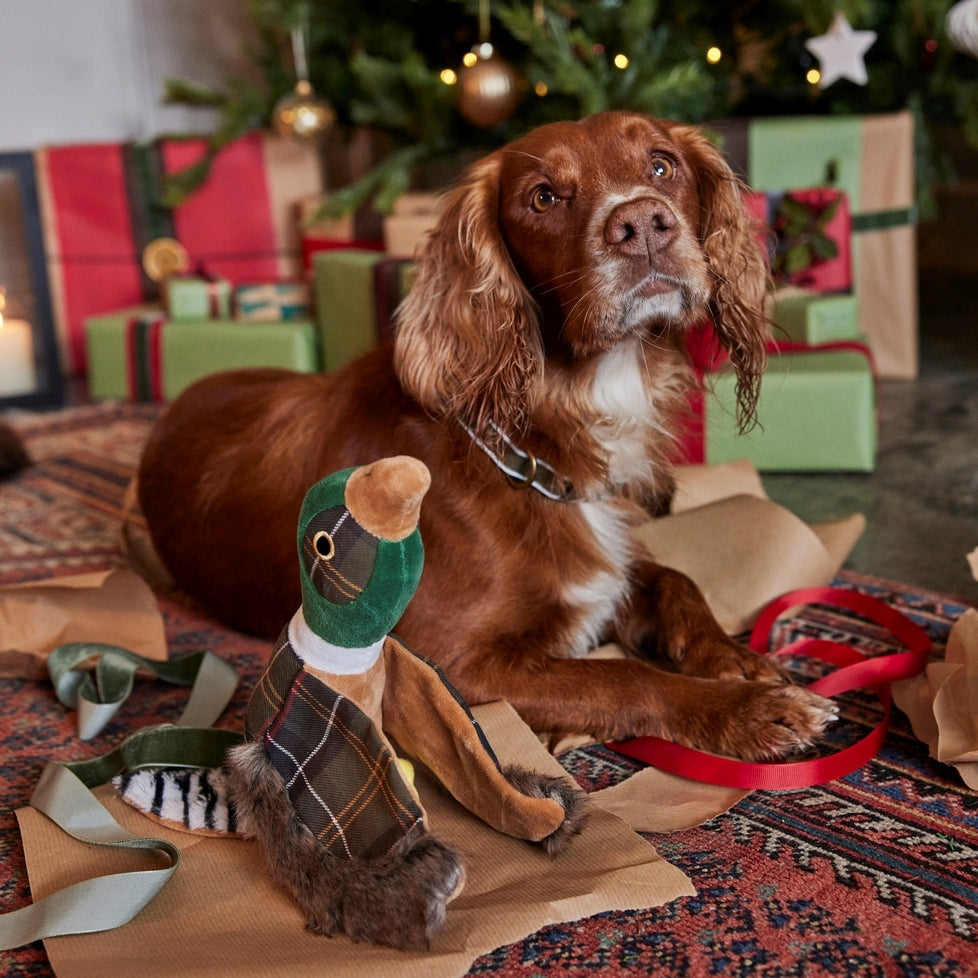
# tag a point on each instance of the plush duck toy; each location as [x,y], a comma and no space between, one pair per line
[318,782]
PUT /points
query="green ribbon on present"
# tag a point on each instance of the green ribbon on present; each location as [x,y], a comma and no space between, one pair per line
[884,220]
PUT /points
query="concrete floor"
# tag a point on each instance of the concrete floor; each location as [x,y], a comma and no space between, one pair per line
[921,503]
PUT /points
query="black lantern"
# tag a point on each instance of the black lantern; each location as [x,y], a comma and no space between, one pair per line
[30,372]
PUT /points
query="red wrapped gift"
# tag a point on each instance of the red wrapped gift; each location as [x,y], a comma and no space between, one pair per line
[242,224]
[811,236]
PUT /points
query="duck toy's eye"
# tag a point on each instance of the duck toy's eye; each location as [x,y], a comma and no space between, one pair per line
[323,544]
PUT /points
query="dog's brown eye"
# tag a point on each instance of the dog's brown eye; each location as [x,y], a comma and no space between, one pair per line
[662,168]
[544,199]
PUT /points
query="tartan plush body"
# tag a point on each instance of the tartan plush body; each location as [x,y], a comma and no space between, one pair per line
[318,784]
[341,776]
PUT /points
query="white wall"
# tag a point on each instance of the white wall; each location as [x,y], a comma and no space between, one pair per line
[94,70]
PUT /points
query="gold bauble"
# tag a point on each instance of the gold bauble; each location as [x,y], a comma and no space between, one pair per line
[303,114]
[489,90]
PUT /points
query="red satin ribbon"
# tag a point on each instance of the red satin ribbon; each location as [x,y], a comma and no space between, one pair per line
[854,671]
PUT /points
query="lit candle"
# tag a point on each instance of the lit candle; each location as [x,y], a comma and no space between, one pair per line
[17,374]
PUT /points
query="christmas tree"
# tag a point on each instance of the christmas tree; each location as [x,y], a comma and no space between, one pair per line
[398,68]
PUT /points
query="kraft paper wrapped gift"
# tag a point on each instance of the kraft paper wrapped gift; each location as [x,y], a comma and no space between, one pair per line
[414,215]
[816,412]
[137,354]
[871,158]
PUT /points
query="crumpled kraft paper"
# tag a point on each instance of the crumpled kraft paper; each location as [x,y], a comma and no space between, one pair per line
[741,548]
[219,915]
[942,702]
[113,606]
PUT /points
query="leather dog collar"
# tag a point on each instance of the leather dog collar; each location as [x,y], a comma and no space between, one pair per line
[523,469]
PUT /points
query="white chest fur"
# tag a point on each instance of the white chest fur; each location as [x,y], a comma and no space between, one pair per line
[626,411]
[597,598]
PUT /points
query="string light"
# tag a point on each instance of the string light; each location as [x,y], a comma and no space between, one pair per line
[713,55]
[621,61]
[814,76]
[448,76]
[541,88]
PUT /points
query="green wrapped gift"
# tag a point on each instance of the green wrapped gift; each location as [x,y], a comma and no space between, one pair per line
[356,294]
[138,354]
[192,299]
[343,280]
[811,318]
[816,412]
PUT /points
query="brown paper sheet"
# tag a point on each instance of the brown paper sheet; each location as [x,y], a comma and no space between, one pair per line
[219,916]
[115,606]
[942,703]
[743,551]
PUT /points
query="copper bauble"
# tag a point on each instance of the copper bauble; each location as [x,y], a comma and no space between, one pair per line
[489,90]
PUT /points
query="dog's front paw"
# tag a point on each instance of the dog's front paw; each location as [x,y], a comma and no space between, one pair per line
[779,721]
[724,658]
[399,901]
[756,721]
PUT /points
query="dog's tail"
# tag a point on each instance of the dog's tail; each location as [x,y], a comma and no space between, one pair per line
[14,456]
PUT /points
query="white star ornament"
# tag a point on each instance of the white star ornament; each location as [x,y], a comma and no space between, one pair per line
[841,52]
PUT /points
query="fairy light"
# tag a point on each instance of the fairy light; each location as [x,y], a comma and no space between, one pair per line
[541,88]
[448,76]
[621,61]
[713,55]
[470,59]
[813,76]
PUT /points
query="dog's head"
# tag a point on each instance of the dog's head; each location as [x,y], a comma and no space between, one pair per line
[568,241]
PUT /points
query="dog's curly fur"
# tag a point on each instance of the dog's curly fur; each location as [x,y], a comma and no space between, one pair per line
[552,303]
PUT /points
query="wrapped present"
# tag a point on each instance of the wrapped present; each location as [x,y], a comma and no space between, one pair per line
[816,412]
[811,233]
[138,354]
[413,216]
[330,234]
[871,159]
[356,293]
[241,225]
[193,298]
[265,302]
[809,318]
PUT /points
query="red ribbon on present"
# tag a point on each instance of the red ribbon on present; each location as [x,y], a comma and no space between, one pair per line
[144,357]
[855,670]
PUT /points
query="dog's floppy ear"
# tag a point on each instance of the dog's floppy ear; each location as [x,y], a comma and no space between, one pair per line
[467,342]
[738,266]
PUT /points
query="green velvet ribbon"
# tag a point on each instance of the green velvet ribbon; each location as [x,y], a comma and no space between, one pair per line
[63,792]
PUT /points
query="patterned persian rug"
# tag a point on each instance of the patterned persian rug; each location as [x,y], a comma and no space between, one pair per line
[872,875]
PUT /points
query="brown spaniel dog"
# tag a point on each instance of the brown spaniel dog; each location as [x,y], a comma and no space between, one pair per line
[538,370]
